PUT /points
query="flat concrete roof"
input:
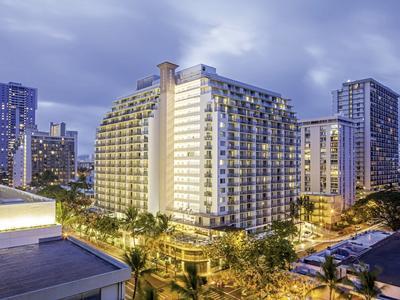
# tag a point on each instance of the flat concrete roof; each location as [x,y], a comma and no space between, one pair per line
[385,255]
[9,195]
[44,265]
[11,201]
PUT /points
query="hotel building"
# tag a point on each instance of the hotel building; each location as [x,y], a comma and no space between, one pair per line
[374,109]
[18,107]
[327,165]
[207,149]
[38,152]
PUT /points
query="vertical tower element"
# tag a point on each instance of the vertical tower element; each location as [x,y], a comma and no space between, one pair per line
[167,95]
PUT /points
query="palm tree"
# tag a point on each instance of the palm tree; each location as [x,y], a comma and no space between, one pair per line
[64,214]
[163,224]
[366,285]
[149,294]
[309,208]
[137,260]
[146,226]
[191,283]
[299,203]
[329,278]
[130,221]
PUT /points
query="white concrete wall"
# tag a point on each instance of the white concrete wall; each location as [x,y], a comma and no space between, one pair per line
[27,214]
[154,204]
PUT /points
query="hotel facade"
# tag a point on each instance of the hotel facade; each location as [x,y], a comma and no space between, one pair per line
[374,109]
[209,150]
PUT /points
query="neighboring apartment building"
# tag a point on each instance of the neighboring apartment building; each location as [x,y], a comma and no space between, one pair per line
[18,107]
[327,165]
[374,109]
[38,152]
[38,263]
[210,150]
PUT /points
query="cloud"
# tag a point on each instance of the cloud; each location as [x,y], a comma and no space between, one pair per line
[35,28]
[218,40]
[83,54]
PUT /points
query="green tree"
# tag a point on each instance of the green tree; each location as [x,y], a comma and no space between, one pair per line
[146,226]
[284,229]
[231,248]
[309,208]
[148,293]
[277,252]
[385,207]
[294,211]
[190,283]
[252,259]
[366,285]
[130,221]
[54,192]
[329,278]
[137,260]
[300,202]
[107,227]
[64,214]
[44,179]
[163,224]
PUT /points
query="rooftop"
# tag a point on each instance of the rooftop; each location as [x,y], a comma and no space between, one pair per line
[385,256]
[11,201]
[10,195]
[39,266]
[351,82]
[349,249]
[326,120]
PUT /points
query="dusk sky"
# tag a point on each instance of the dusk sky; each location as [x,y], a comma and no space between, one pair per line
[81,55]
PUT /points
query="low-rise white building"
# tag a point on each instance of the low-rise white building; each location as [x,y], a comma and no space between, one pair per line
[37,263]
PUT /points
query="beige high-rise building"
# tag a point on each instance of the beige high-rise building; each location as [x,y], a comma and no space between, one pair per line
[207,149]
[327,165]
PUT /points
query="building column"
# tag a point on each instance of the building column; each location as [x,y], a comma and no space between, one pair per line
[166,107]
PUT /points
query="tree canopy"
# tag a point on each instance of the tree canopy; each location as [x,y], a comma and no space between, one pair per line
[383,206]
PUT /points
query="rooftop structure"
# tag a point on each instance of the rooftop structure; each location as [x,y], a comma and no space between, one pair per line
[341,252]
[22,210]
[376,249]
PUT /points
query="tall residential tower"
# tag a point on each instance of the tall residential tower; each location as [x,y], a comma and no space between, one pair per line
[207,149]
[18,107]
[374,109]
[37,152]
[327,166]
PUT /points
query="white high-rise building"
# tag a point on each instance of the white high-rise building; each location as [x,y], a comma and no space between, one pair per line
[374,109]
[327,158]
[210,150]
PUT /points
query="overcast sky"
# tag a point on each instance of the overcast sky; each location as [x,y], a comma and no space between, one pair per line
[81,55]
